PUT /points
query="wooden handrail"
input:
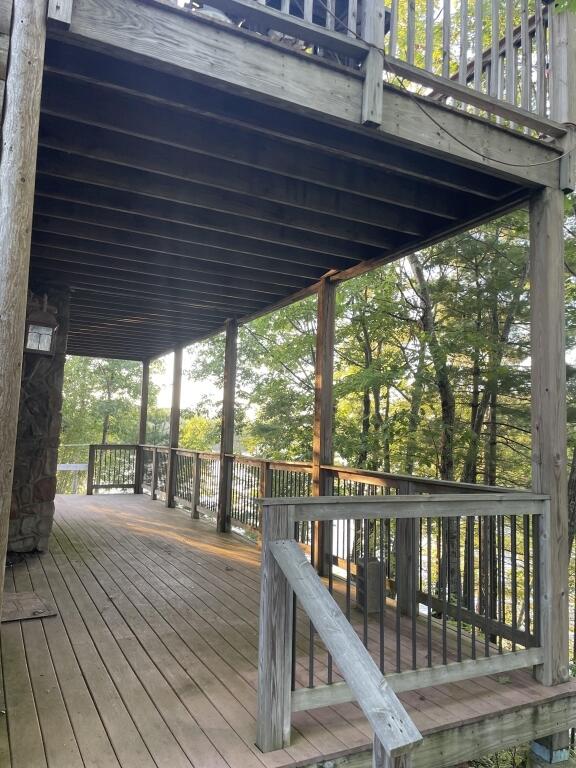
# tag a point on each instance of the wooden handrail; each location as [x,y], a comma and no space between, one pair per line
[411,507]
[393,728]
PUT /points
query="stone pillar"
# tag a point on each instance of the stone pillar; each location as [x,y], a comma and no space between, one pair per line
[39,420]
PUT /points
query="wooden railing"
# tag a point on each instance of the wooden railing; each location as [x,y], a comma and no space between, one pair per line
[442,633]
[489,59]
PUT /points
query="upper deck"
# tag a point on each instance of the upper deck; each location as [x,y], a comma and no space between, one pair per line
[191,170]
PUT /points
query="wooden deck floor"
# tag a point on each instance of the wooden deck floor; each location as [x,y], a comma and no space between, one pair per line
[151,660]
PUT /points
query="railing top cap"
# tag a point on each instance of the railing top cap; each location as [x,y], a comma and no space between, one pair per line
[448,498]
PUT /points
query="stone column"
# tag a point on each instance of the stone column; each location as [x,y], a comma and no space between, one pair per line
[39,421]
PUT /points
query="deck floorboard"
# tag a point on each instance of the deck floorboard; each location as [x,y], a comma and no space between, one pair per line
[151,661]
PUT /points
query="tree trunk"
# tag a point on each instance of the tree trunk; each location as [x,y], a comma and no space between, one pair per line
[415,405]
[363,453]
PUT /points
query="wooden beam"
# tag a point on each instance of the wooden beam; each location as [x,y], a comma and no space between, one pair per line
[17,174]
[323,428]
[208,177]
[198,225]
[271,124]
[275,638]
[144,390]
[227,430]
[413,680]
[61,165]
[174,435]
[372,31]
[208,142]
[549,424]
[391,723]
[403,507]
[60,13]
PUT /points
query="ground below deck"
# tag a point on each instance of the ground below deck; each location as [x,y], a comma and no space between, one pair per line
[151,660]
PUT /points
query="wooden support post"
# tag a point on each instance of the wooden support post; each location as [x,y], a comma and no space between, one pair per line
[154,481]
[372,31]
[265,485]
[227,432]
[196,470]
[90,472]
[60,13]
[142,427]
[17,176]
[275,639]
[322,451]
[174,427]
[549,424]
[563,66]
[406,561]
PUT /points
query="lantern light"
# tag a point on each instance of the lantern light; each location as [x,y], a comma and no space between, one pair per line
[41,327]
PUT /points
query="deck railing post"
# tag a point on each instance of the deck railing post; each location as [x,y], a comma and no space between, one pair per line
[174,428]
[227,431]
[406,559]
[138,468]
[372,32]
[90,472]
[154,480]
[196,477]
[144,389]
[275,640]
[322,451]
[265,483]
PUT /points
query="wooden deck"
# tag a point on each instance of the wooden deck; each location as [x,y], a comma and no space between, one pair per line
[151,660]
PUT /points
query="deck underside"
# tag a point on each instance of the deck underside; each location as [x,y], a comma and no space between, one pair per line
[189,172]
[151,660]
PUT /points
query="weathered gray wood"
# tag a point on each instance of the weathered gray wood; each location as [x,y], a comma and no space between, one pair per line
[563,66]
[270,18]
[189,46]
[144,387]
[466,95]
[174,435]
[413,680]
[90,472]
[390,721]
[372,31]
[17,172]
[403,507]
[196,478]
[549,423]
[60,13]
[323,427]
[227,427]
[275,637]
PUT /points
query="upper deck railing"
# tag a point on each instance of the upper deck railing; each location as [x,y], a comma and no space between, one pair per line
[486,57]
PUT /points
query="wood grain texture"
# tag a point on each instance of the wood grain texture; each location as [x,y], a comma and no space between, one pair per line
[17,175]
[199,48]
[227,426]
[403,507]
[391,723]
[275,637]
[60,13]
[549,421]
[563,66]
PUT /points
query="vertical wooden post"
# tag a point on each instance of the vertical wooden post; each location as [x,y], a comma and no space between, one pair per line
[549,424]
[227,433]
[154,481]
[406,560]
[142,427]
[372,31]
[90,472]
[196,468]
[275,639]
[17,176]
[174,427]
[322,451]
[265,485]
[563,66]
